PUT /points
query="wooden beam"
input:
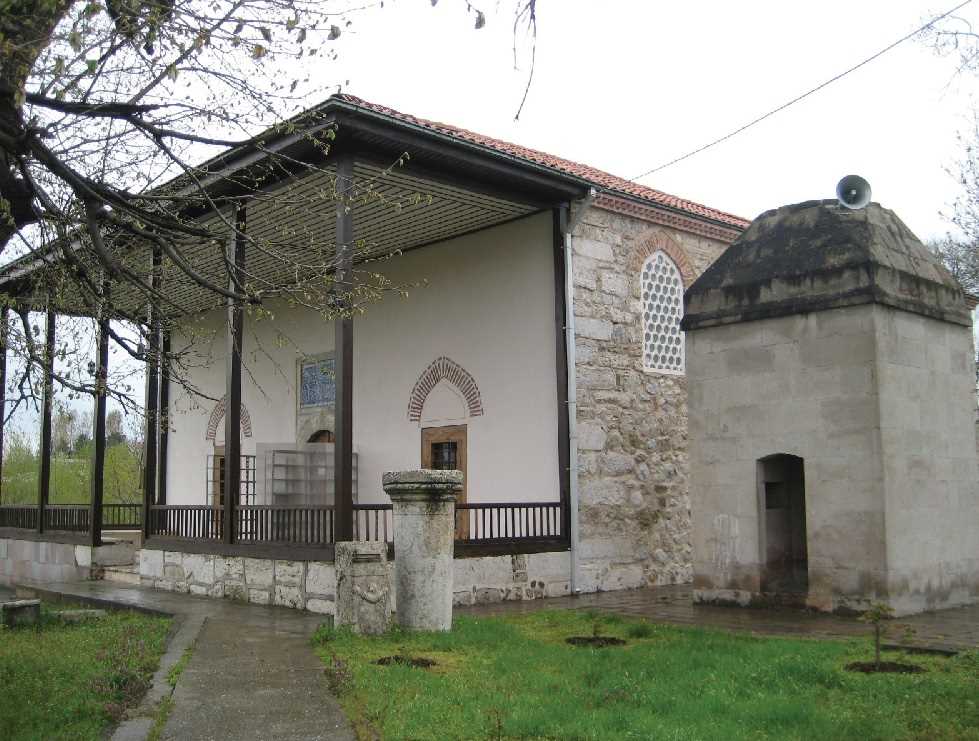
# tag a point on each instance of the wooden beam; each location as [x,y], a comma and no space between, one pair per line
[343,353]
[44,474]
[98,431]
[559,221]
[161,491]
[4,329]
[152,398]
[232,411]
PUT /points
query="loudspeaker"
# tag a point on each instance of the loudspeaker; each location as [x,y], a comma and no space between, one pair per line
[853,192]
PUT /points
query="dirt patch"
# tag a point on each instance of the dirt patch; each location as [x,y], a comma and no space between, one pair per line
[893,667]
[595,641]
[417,662]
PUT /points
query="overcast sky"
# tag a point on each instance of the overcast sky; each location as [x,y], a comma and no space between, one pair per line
[625,85]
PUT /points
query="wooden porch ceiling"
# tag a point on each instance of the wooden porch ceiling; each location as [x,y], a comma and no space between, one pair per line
[292,232]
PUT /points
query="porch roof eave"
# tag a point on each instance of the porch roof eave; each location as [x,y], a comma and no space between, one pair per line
[465,177]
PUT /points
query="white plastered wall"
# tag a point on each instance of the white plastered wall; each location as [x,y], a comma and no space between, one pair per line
[488,305]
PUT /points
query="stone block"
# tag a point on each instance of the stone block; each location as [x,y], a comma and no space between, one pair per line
[176,557]
[488,595]
[231,568]
[615,283]
[591,436]
[20,612]
[259,572]
[595,329]
[321,578]
[289,573]
[259,596]
[321,606]
[592,249]
[199,568]
[83,555]
[173,571]
[199,589]
[3,549]
[288,596]
[235,591]
[79,616]
[463,597]
[482,572]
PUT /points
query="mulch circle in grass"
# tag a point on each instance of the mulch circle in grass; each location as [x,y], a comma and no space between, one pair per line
[894,667]
[418,662]
[595,641]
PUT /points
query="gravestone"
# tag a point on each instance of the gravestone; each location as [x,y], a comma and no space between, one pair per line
[363,587]
[20,612]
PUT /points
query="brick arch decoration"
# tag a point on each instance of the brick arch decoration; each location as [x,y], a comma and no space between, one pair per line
[218,414]
[660,241]
[443,368]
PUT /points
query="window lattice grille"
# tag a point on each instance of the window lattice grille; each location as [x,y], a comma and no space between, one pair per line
[662,309]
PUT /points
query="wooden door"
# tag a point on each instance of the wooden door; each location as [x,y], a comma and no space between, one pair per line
[444,449]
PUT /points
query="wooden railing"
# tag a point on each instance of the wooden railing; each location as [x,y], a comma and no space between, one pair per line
[275,524]
[68,517]
[127,516]
[193,521]
[374,522]
[22,516]
[495,524]
[486,522]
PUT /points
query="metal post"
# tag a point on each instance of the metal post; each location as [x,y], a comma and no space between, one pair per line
[232,410]
[152,399]
[3,384]
[44,475]
[343,349]
[98,433]
[161,491]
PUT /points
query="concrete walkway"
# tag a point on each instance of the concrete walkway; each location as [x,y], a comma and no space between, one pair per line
[252,673]
[944,631]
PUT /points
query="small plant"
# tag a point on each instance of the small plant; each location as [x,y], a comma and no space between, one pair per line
[596,627]
[338,675]
[877,615]
[324,634]
[640,630]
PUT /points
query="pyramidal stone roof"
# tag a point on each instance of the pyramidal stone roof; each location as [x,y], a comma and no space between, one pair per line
[819,255]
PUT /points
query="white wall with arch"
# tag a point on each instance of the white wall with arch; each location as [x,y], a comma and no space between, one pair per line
[487,306]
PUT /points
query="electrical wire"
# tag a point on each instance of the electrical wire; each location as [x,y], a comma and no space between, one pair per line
[804,95]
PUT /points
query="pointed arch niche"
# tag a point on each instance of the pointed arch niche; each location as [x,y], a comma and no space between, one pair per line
[218,414]
[444,369]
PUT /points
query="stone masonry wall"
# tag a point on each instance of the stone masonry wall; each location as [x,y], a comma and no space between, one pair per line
[311,585]
[41,561]
[634,505]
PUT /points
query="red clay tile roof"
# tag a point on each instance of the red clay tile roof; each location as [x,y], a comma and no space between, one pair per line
[598,178]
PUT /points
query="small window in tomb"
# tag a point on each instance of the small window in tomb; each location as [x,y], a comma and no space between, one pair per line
[661,289]
[317,385]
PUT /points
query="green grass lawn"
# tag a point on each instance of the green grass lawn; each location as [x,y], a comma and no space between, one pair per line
[516,677]
[72,681]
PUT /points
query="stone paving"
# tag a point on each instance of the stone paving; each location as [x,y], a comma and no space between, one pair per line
[252,673]
[946,630]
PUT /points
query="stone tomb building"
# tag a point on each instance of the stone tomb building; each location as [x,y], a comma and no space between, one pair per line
[832,410]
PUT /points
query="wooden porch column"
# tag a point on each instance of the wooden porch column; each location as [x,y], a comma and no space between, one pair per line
[152,399]
[161,491]
[3,384]
[98,432]
[232,410]
[44,475]
[343,350]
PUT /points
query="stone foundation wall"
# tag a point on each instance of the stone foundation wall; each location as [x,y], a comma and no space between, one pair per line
[303,585]
[311,585]
[634,504]
[42,561]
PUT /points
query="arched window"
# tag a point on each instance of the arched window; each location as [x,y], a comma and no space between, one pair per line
[661,286]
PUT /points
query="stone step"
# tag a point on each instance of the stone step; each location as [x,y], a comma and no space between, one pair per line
[123,574]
